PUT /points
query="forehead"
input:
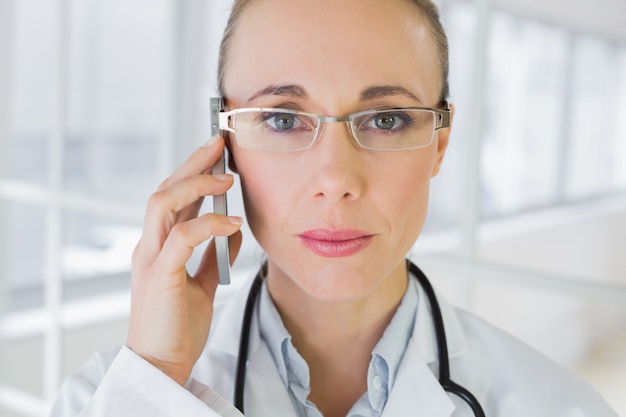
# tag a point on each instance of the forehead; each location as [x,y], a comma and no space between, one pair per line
[333,49]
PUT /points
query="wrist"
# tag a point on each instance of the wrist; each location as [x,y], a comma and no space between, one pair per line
[179,373]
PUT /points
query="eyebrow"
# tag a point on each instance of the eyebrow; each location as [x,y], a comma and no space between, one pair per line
[285,90]
[370,93]
[382,91]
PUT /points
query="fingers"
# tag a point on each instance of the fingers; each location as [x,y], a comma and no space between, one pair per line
[180,197]
[184,237]
[171,227]
[171,313]
[200,162]
[177,204]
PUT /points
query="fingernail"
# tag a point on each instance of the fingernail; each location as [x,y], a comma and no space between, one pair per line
[223,177]
[235,220]
[211,141]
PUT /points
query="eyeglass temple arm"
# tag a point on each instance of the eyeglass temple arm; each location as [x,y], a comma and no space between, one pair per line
[444,117]
[223,122]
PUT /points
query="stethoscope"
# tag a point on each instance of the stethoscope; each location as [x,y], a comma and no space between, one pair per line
[440,336]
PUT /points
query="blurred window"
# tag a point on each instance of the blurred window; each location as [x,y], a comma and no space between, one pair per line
[552,133]
[527,64]
[115,72]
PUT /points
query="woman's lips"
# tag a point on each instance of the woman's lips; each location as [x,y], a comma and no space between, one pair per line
[335,243]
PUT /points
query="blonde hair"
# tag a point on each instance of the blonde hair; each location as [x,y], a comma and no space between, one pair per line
[426,9]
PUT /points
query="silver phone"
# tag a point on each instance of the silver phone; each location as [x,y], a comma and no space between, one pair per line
[219,201]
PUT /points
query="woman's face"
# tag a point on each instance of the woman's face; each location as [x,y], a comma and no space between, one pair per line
[336,220]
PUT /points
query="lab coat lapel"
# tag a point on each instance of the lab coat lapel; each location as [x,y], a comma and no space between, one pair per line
[424,332]
[264,389]
[225,331]
[416,391]
[416,387]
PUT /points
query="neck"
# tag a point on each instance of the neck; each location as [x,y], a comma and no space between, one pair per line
[313,322]
[336,338]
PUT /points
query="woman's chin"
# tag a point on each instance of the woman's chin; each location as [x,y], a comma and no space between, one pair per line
[335,281]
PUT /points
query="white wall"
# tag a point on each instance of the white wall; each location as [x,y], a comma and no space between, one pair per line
[518,284]
[603,17]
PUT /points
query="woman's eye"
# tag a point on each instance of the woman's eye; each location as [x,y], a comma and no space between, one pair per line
[281,121]
[387,121]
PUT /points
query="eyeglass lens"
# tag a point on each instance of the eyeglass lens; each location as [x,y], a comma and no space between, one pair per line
[283,130]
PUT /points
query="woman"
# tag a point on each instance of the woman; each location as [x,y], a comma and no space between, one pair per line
[339,328]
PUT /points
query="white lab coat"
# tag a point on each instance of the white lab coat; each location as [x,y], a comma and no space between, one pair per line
[508,378]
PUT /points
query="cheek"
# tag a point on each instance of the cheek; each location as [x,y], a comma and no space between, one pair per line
[266,193]
[404,198]
[396,192]
[256,197]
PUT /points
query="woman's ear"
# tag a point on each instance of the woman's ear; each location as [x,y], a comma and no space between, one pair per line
[443,136]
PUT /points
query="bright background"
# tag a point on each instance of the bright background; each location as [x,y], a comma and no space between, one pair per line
[101,100]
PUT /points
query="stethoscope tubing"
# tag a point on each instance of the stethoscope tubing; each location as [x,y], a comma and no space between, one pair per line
[440,336]
[244,341]
[442,344]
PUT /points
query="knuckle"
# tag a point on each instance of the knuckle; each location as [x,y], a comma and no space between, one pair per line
[179,232]
[135,255]
[156,199]
[167,183]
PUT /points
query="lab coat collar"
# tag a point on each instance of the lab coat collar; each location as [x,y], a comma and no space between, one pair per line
[226,334]
[424,333]
[263,383]
[416,387]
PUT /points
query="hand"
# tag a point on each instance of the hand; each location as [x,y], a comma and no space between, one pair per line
[171,310]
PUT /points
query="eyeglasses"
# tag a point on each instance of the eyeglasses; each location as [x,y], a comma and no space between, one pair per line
[285,130]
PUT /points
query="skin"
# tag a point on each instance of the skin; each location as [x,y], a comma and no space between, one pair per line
[171,309]
[347,301]
[336,57]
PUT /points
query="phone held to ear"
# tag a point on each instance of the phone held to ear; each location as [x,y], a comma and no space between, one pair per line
[219,201]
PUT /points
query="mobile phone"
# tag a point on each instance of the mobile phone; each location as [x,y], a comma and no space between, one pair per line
[219,201]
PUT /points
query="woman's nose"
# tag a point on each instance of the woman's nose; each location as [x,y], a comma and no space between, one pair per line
[338,171]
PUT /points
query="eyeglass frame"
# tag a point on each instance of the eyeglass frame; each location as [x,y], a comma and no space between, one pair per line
[441,122]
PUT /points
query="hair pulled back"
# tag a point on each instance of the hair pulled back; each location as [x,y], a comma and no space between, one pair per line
[426,9]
